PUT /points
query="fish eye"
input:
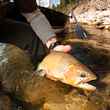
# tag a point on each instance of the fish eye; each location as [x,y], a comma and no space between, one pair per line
[82,75]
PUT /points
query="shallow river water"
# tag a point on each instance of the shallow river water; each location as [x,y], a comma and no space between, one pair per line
[28,92]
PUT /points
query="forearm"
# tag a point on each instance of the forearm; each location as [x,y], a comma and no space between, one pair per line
[40,25]
[36,18]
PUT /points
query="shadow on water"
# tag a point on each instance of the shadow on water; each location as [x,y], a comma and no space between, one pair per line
[98,63]
[96,59]
[92,58]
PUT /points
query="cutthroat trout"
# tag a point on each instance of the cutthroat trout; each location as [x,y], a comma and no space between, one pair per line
[67,69]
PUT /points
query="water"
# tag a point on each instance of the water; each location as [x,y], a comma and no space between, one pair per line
[3,58]
[52,95]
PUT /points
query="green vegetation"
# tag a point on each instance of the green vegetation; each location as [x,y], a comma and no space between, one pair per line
[65,5]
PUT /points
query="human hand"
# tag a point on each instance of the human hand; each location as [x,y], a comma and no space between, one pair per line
[57,47]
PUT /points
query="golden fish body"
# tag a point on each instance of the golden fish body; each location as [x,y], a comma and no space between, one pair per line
[67,69]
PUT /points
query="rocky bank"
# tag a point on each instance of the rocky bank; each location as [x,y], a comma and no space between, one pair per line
[94,12]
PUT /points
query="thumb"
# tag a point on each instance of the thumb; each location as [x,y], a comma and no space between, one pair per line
[63,48]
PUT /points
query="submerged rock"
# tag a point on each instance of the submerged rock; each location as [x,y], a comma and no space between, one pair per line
[18,78]
[81,102]
[5,102]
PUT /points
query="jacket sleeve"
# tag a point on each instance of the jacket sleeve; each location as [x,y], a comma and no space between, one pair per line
[40,25]
[36,18]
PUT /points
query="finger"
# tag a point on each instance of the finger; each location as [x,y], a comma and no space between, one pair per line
[63,48]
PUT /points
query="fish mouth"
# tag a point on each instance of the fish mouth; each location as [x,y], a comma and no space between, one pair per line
[86,85]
